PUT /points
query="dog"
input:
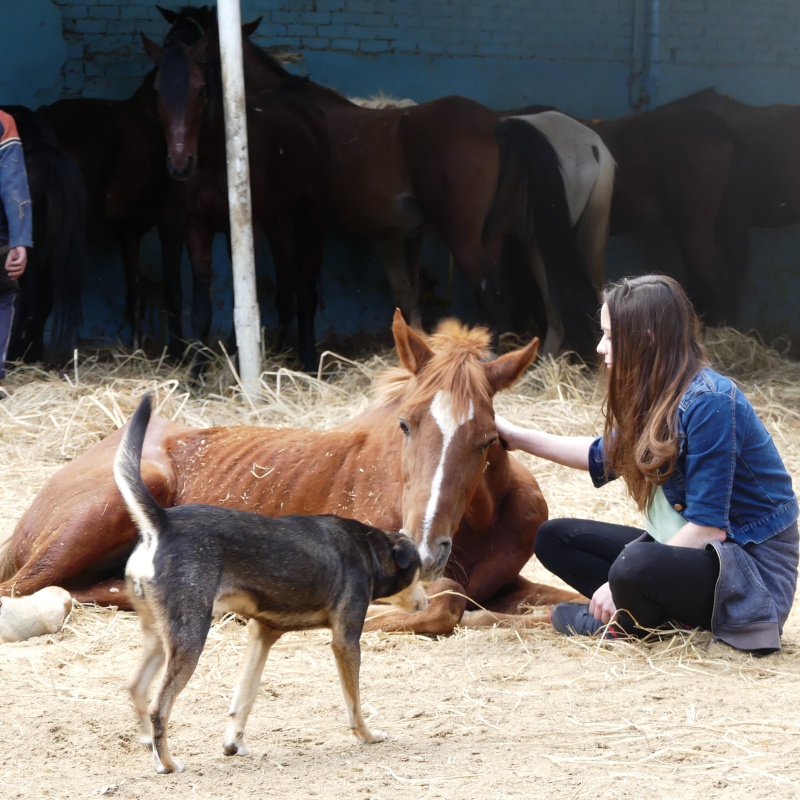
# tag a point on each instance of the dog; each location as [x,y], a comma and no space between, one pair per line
[283,574]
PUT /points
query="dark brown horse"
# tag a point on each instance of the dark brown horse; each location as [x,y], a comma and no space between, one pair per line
[425,458]
[769,136]
[119,149]
[288,156]
[682,166]
[397,172]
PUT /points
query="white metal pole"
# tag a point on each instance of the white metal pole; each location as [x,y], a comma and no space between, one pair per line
[246,315]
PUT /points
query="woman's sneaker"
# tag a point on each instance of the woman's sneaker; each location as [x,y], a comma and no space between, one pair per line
[574,619]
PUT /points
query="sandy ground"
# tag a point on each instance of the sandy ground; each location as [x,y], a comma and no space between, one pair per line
[492,713]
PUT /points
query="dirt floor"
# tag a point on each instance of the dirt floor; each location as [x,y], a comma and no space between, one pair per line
[491,713]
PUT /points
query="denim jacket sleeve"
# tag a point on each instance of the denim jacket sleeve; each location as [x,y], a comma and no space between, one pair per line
[709,425]
[16,225]
[599,470]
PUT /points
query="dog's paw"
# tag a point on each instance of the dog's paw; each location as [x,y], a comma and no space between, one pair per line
[168,769]
[235,748]
[372,736]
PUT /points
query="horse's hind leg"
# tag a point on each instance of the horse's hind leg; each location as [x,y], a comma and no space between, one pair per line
[309,235]
[391,252]
[170,231]
[129,242]
[282,244]
[260,638]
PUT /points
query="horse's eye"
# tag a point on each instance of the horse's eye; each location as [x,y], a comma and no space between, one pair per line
[487,444]
[404,427]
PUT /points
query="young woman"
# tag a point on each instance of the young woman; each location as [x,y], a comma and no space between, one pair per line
[720,545]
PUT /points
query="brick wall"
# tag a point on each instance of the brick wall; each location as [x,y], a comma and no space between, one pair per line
[105,55]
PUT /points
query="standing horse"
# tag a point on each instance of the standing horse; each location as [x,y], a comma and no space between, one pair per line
[397,172]
[769,136]
[587,169]
[683,166]
[53,277]
[425,458]
[119,149]
[288,163]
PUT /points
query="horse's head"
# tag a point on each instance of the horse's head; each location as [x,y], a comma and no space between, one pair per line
[180,83]
[447,422]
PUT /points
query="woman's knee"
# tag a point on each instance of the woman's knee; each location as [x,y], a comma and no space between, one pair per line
[631,568]
[551,539]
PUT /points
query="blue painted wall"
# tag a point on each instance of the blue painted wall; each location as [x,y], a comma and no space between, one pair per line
[592,58]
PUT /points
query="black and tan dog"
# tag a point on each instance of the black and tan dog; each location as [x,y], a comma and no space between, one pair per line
[284,574]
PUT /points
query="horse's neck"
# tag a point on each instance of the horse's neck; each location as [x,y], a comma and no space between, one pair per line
[260,76]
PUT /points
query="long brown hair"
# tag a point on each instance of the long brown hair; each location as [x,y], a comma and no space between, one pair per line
[656,350]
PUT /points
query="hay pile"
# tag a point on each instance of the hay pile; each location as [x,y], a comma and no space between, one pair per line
[500,713]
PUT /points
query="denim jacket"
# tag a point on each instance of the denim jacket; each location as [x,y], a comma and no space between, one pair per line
[729,473]
[15,202]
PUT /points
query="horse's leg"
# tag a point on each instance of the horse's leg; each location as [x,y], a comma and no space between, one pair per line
[199,243]
[391,252]
[444,612]
[171,224]
[129,243]
[554,338]
[309,231]
[282,244]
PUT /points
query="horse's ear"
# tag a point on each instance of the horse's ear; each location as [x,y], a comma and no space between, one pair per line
[249,28]
[412,349]
[169,16]
[153,50]
[504,371]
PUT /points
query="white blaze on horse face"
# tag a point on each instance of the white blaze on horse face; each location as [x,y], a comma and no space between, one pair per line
[442,413]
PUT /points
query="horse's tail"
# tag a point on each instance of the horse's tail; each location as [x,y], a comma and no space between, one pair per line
[593,224]
[59,222]
[526,154]
[734,220]
[147,514]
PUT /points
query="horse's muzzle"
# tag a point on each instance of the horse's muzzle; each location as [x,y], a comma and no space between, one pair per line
[434,558]
[184,172]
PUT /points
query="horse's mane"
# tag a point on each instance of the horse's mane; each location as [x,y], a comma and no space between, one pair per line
[456,366]
[288,79]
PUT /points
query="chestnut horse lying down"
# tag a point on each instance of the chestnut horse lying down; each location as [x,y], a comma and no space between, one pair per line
[425,458]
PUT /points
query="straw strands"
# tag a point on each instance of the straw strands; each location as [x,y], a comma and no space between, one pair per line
[482,713]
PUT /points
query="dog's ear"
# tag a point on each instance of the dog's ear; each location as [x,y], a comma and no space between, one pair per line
[404,552]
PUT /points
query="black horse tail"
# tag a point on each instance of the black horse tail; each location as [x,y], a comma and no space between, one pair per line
[59,219]
[734,219]
[528,158]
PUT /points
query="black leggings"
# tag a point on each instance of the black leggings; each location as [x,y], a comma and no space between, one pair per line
[651,583]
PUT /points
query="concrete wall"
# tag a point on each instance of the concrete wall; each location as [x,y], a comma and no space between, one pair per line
[592,58]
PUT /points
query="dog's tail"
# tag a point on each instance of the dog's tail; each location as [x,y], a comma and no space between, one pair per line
[147,514]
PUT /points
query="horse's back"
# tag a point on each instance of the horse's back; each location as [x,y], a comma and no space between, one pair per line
[276,472]
[81,502]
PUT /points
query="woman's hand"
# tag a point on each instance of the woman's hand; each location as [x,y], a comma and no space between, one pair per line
[506,431]
[698,536]
[602,606]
